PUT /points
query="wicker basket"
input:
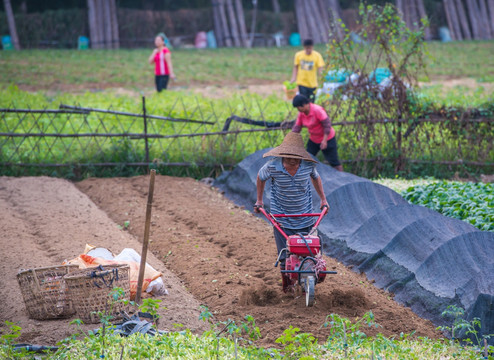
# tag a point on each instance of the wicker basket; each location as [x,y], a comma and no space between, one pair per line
[290,93]
[45,292]
[90,290]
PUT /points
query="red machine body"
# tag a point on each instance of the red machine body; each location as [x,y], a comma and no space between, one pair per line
[303,264]
[296,245]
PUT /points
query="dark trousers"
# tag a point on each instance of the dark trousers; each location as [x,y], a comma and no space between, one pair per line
[330,153]
[309,93]
[161,82]
[281,241]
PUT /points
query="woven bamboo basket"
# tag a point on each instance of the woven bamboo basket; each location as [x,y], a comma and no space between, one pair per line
[290,93]
[45,291]
[89,290]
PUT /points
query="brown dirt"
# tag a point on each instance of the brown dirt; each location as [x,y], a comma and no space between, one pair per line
[216,251]
[45,221]
[225,257]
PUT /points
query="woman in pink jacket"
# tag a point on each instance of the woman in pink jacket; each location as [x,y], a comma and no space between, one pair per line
[162,59]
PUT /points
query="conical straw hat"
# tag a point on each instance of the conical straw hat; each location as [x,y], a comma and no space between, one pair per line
[291,147]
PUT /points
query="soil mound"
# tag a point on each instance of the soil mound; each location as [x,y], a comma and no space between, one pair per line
[259,297]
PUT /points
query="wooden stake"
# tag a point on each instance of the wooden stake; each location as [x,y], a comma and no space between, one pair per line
[145,241]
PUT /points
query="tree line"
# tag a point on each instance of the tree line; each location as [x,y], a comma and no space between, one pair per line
[316,19]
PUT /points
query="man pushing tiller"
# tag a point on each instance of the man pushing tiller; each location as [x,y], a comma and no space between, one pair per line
[291,172]
[299,248]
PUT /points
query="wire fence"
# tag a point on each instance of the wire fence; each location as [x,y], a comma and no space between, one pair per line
[76,141]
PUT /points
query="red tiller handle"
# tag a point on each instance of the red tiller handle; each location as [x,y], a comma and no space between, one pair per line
[324,211]
[271,218]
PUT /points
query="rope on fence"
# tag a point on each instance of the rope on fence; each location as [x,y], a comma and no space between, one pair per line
[62,106]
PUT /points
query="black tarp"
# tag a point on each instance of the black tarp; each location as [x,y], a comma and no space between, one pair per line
[427,260]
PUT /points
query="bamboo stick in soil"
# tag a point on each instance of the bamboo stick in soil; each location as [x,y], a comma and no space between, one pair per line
[145,240]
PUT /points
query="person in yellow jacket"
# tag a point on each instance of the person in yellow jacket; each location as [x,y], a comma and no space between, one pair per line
[308,65]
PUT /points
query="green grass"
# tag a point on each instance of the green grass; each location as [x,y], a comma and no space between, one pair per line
[346,339]
[63,69]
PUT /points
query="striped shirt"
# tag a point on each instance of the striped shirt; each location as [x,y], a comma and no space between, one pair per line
[290,194]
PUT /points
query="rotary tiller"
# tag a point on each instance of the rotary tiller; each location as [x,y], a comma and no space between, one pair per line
[304,264]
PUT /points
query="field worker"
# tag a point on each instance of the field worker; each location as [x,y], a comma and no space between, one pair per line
[289,173]
[308,65]
[162,59]
[321,133]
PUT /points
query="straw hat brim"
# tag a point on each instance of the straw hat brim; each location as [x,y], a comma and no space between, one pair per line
[290,152]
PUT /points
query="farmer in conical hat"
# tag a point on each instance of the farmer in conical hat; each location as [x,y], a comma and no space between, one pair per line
[289,172]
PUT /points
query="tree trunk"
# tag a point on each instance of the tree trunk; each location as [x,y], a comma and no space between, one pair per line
[218,28]
[490,4]
[474,19]
[423,14]
[241,23]
[317,22]
[100,19]
[224,23]
[233,23]
[23,7]
[276,7]
[325,16]
[253,24]
[114,24]
[93,33]
[448,12]
[313,33]
[480,22]
[107,25]
[301,20]
[399,6]
[409,9]
[460,10]
[484,14]
[11,21]
[335,24]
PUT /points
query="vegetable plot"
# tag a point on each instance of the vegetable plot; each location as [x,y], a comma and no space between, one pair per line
[471,202]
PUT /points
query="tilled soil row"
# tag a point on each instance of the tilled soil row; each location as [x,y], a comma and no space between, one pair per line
[225,257]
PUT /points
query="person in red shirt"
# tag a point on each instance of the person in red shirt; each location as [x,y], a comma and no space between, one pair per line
[162,59]
[321,133]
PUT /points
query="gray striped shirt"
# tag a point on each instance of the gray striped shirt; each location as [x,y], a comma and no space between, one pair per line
[290,194]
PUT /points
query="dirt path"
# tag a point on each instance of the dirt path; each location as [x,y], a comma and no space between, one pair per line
[45,221]
[225,256]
